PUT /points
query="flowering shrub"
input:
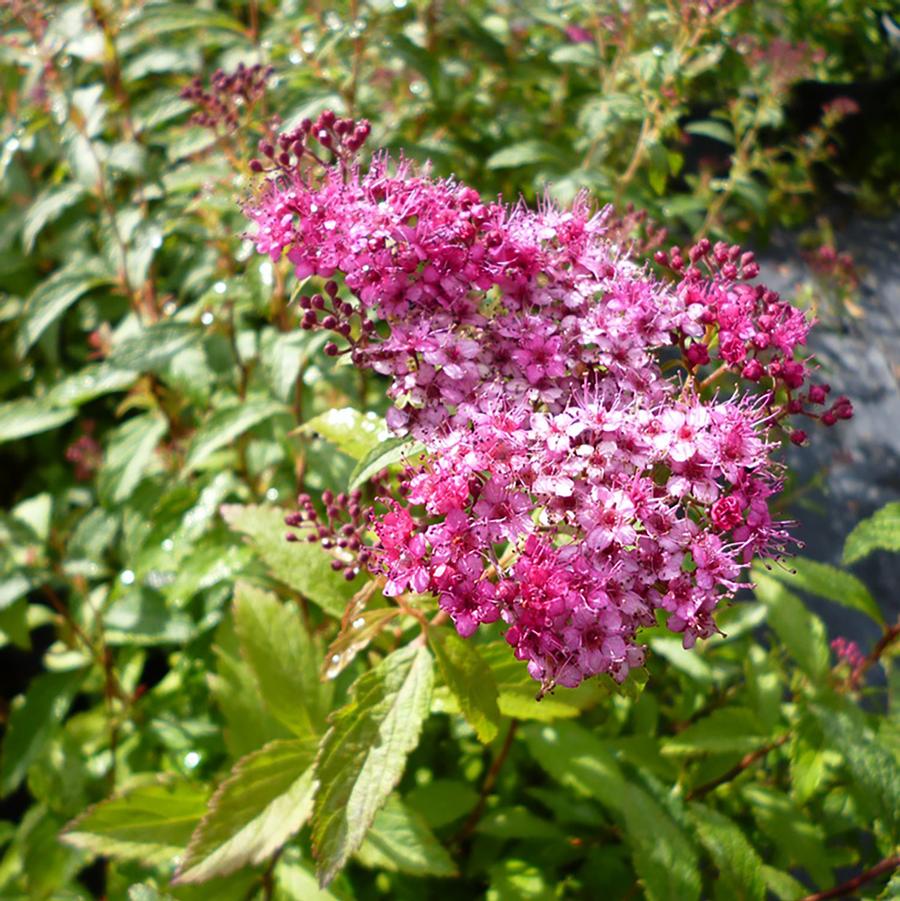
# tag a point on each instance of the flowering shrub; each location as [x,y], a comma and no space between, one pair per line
[542,414]
[525,352]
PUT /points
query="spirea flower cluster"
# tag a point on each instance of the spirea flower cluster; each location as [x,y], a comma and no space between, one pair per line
[586,471]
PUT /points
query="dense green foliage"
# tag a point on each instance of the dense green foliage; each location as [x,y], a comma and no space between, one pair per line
[160,410]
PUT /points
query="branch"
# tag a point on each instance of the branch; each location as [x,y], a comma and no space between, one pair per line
[888,865]
[744,763]
[891,634]
[489,781]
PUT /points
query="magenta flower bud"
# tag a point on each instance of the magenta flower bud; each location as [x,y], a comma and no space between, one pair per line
[331,349]
[697,354]
[818,393]
[256,166]
[798,437]
[752,370]
[329,322]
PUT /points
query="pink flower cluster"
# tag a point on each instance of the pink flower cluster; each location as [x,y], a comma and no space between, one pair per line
[581,478]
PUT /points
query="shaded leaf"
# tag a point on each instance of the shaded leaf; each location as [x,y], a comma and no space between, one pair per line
[739,865]
[225,425]
[46,207]
[128,455]
[152,348]
[21,418]
[523,153]
[391,451]
[728,729]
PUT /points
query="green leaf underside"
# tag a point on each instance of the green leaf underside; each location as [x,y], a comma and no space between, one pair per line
[150,823]
[364,753]
[260,805]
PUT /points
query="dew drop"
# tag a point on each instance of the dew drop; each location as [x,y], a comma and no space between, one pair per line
[220,287]
[207,318]
[191,759]
[127,577]
[359,622]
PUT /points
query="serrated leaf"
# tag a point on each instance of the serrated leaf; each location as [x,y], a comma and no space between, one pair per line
[740,867]
[151,349]
[470,680]
[871,765]
[577,759]
[21,418]
[391,451]
[260,805]
[357,631]
[364,753]
[518,880]
[880,532]
[127,456]
[149,823]
[33,722]
[523,153]
[225,425]
[284,659]
[400,841]
[49,204]
[830,583]
[52,297]
[725,730]
[664,858]
[800,631]
[303,566]
[352,432]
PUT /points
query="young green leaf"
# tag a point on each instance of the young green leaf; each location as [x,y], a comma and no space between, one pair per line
[470,680]
[21,418]
[399,840]
[33,722]
[51,298]
[260,805]
[127,457]
[301,565]
[800,631]
[880,532]
[385,454]
[352,432]
[225,425]
[363,754]
[830,583]
[739,865]
[148,823]
[284,658]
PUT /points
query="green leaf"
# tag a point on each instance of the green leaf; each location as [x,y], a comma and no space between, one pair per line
[712,128]
[390,451]
[830,583]
[799,631]
[740,867]
[442,801]
[871,764]
[45,208]
[880,532]
[127,457]
[364,753]
[52,297]
[300,565]
[726,730]
[93,381]
[664,859]
[149,823]
[164,18]
[400,841]
[524,153]
[577,759]
[284,658]
[470,680]
[263,802]
[516,880]
[21,418]
[151,349]
[352,432]
[33,722]
[783,885]
[141,617]
[225,425]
